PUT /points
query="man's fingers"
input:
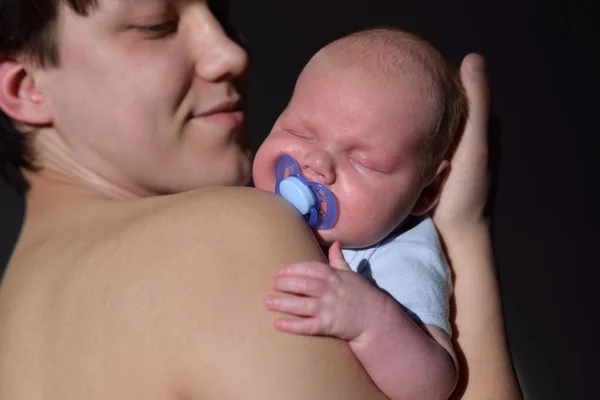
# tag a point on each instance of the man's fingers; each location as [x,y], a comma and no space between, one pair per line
[475,82]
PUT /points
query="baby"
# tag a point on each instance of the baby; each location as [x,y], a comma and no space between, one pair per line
[372,120]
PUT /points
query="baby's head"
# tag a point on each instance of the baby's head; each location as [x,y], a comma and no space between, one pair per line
[373,117]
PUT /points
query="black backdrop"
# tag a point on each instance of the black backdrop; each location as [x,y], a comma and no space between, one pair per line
[543,73]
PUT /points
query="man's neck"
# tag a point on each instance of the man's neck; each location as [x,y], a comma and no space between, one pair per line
[59,165]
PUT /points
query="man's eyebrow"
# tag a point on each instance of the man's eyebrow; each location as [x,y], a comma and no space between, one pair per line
[132,3]
[124,7]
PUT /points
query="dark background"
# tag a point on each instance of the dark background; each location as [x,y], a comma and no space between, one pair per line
[544,80]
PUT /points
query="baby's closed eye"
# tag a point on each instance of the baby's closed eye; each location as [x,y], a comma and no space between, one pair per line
[366,164]
[302,135]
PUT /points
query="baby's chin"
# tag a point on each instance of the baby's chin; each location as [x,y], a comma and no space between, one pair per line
[330,236]
[322,241]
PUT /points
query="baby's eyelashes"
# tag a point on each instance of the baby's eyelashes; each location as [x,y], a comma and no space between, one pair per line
[302,135]
[370,164]
[362,164]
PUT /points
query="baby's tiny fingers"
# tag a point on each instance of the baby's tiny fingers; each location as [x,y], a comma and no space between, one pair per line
[313,269]
[300,285]
[303,326]
[300,306]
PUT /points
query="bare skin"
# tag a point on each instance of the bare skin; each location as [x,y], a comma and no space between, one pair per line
[117,292]
[150,298]
[365,141]
[134,308]
[480,339]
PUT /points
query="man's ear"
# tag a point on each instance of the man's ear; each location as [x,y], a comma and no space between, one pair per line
[431,194]
[19,96]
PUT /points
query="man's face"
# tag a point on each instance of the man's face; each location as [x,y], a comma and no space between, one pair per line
[362,140]
[145,95]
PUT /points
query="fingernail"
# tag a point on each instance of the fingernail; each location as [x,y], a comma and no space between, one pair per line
[477,66]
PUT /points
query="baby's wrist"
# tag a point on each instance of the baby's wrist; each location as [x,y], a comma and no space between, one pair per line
[377,315]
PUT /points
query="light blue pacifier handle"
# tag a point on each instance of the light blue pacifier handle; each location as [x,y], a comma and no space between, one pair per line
[314,201]
[293,190]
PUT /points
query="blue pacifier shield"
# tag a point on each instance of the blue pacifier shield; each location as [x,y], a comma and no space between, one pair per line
[311,199]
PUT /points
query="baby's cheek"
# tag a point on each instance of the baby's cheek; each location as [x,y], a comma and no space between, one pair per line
[353,231]
[370,221]
[263,169]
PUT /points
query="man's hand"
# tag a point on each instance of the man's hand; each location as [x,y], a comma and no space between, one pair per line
[463,197]
[331,299]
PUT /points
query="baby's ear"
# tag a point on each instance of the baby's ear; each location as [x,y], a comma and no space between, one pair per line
[19,96]
[431,194]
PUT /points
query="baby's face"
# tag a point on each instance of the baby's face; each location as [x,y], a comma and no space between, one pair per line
[362,140]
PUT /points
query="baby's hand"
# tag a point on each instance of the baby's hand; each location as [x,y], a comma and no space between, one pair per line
[333,300]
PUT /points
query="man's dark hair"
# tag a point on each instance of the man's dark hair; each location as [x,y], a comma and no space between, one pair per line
[28,28]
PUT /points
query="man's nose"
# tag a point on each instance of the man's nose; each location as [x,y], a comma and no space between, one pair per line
[318,166]
[218,57]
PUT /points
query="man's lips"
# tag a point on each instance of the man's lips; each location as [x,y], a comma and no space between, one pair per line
[227,113]
[229,119]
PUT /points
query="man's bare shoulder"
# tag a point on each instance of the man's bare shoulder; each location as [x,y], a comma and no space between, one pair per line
[216,219]
[208,246]
[228,208]
[191,234]
[166,295]
[209,269]
[216,239]
[127,290]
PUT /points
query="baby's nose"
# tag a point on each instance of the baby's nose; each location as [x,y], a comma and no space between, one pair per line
[319,167]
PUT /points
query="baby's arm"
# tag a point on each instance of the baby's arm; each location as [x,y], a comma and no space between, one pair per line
[403,361]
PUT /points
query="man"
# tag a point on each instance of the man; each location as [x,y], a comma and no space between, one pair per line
[116,292]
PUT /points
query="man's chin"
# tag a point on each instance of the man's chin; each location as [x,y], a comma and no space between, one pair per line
[239,167]
[245,170]
[244,181]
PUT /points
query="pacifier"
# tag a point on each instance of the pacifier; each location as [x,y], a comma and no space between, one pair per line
[314,201]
